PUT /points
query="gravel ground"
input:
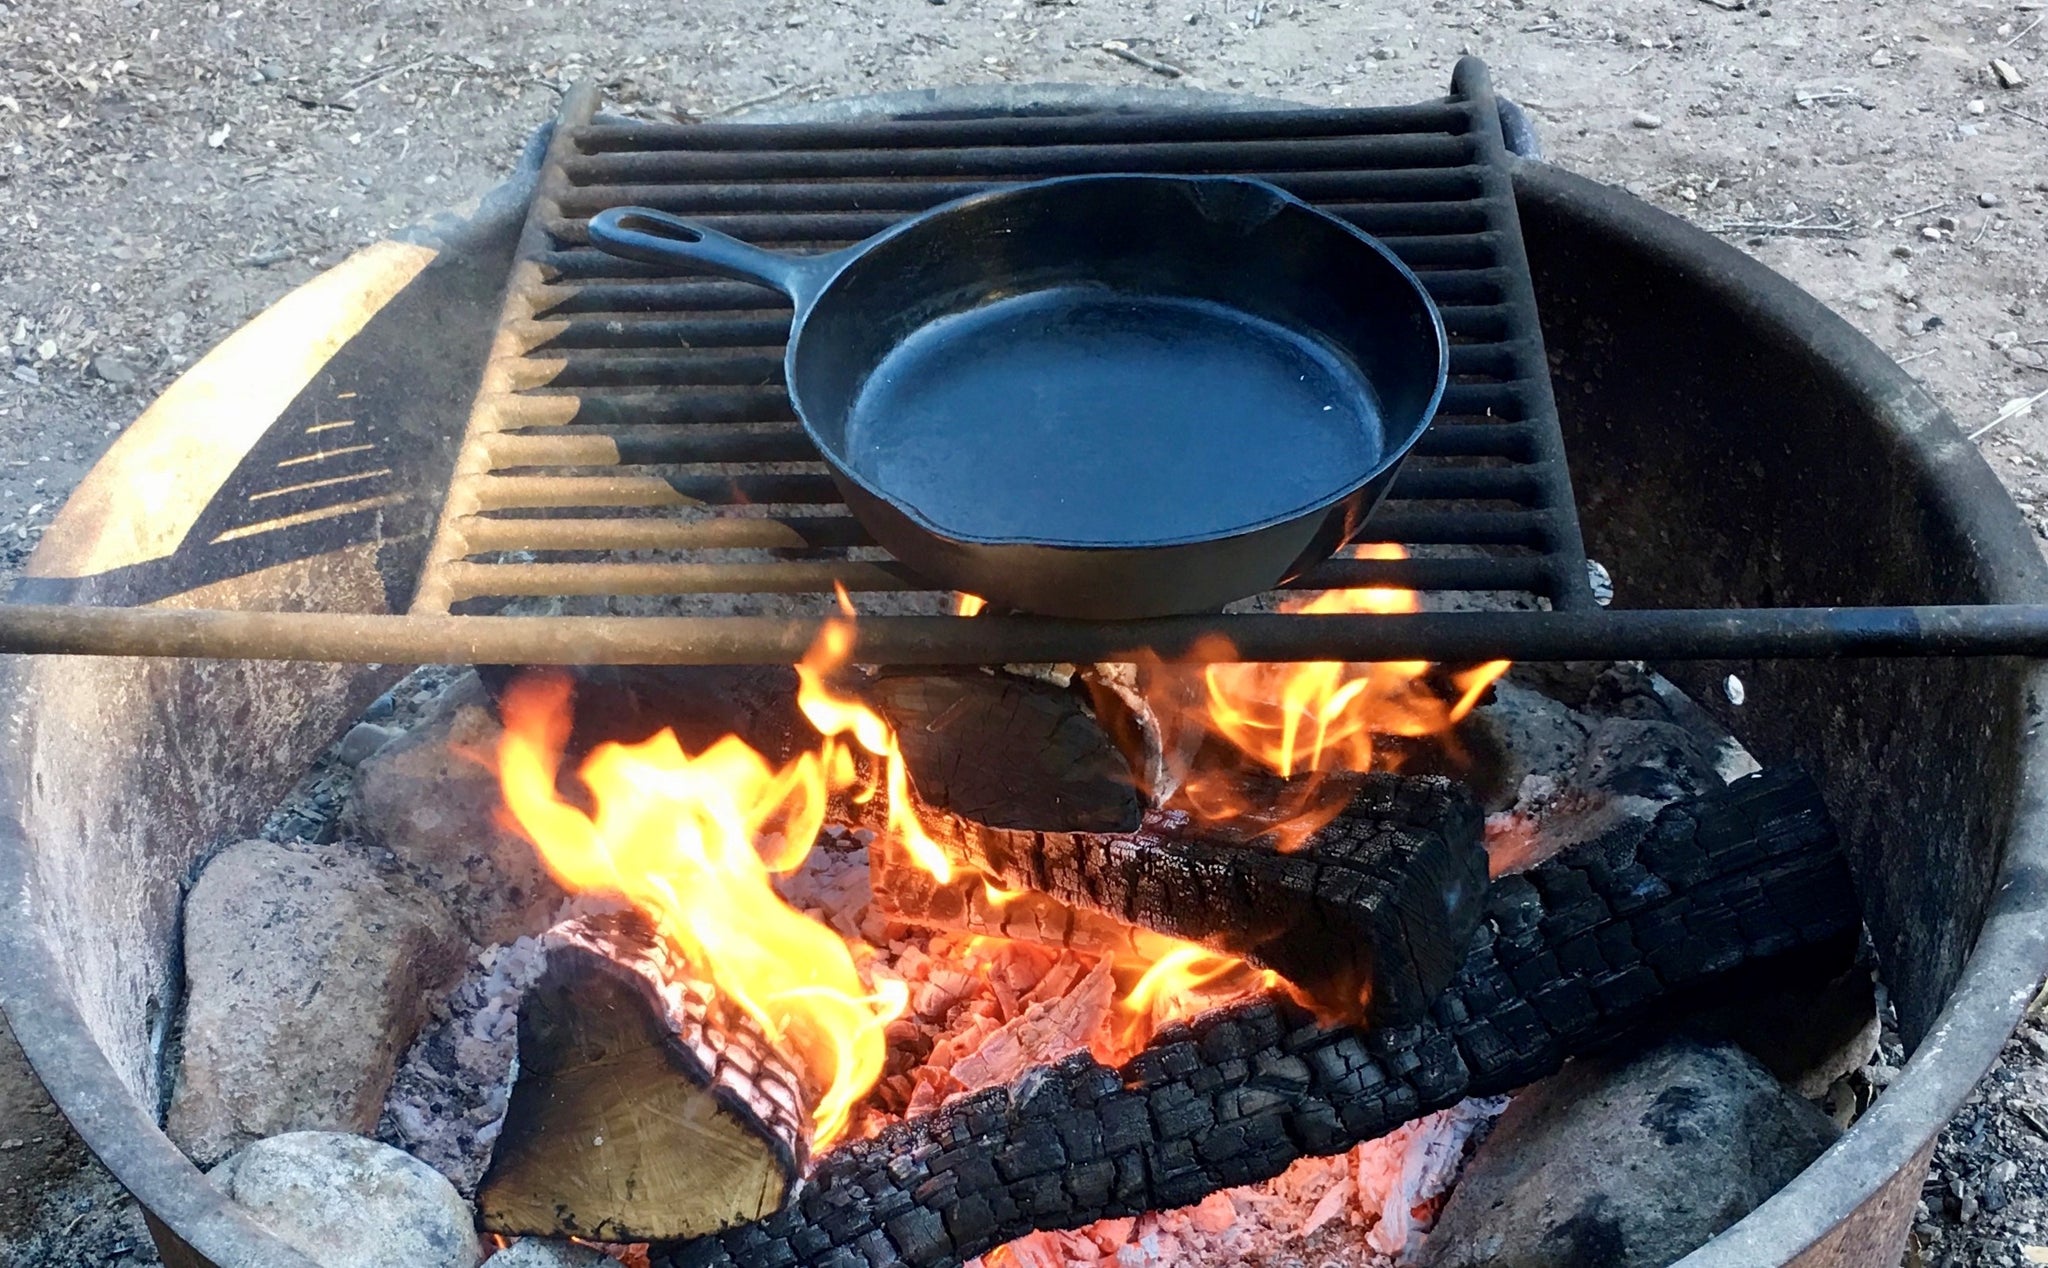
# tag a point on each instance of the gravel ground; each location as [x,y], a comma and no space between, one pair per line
[167,169]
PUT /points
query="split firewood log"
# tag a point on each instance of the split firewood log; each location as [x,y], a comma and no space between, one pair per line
[640,1106]
[1574,954]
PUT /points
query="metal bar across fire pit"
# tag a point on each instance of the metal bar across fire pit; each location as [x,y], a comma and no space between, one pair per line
[1452,637]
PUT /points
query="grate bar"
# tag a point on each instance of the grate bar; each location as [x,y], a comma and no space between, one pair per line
[636,438]
[1441,185]
[996,161]
[1098,129]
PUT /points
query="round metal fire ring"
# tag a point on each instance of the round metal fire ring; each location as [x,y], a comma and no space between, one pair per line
[1733,443]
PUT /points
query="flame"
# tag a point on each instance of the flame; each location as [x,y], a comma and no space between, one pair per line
[1326,715]
[693,840]
[835,716]
[969,604]
[1181,983]
[1319,717]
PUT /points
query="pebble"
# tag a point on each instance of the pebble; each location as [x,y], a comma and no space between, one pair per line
[2006,75]
[1930,232]
[1647,121]
[1976,106]
[346,1202]
[539,1252]
[1903,251]
[364,739]
[1989,199]
[1882,57]
[1868,303]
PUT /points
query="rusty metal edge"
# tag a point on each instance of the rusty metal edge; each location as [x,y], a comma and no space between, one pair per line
[1837,1213]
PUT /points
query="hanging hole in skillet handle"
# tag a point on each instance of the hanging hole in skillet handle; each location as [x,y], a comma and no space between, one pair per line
[655,237]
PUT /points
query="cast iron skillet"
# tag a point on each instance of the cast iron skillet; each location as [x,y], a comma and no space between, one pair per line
[1098,396]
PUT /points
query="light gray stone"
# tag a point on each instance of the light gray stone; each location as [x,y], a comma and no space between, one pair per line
[537,1252]
[431,798]
[1627,1163]
[346,1202]
[364,739]
[309,971]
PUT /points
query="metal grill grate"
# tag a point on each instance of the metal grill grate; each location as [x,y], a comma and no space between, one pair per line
[632,436]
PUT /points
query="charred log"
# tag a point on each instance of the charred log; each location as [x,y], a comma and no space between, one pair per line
[643,1109]
[1369,918]
[904,892]
[1008,752]
[1573,954]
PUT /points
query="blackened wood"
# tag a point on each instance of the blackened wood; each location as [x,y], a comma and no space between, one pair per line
[1573,954]
[1007,752]
[904,892]
[1368,918]
[644,1109]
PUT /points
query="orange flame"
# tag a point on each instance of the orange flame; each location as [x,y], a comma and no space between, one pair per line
[1306,721]
[835,716]
[1326,715]
[692,841]
[969,604]
[1182,983]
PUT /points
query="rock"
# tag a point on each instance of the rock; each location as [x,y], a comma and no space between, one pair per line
[113,369]
[1627,1163]
[364,739]
[540,1252]
[309,971]
[1989,199]
[431,798]
[2026,358]
[346,1202]
[1882,57]
[1975,106]
[1647,121]
[2006,75]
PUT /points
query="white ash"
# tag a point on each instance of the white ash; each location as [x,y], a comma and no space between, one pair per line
[447,1103]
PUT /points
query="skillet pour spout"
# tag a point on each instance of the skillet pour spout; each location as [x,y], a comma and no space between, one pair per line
[1104,397]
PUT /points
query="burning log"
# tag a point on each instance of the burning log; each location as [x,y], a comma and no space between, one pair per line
[1008,752]
[1572,954]
[643,1109]
[1369,917]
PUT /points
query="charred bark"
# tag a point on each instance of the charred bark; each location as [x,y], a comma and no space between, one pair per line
[1369,918]
[1007,752]
[643,1109]
[1572,955]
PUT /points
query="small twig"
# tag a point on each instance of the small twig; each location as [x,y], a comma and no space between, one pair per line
[1802,228]
[1904,216]
[2036,120]
[764,98]
[2031,1115]
[1258,14]
[1120,49]
[1539,27]
[2023,31]
[379,76]
[1639,64]
[1981,231]
[316,103]
[1733,6]
[1924,352]
[2013,409]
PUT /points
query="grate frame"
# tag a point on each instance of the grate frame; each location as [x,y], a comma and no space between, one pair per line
[631,437]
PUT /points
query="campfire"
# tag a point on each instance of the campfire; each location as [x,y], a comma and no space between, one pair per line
[1065,965]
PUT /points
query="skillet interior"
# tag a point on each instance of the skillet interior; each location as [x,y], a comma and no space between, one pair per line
[976,369]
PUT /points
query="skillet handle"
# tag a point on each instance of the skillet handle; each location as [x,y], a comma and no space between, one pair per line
[655,237]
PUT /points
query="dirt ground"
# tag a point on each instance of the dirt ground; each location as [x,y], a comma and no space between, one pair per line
[168,168]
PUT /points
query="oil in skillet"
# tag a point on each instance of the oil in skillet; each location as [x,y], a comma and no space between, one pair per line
[1079,416]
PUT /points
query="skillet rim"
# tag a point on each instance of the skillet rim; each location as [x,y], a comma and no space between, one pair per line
[837,265]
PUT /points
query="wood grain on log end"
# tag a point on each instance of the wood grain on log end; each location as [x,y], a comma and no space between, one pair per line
[642,1111]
